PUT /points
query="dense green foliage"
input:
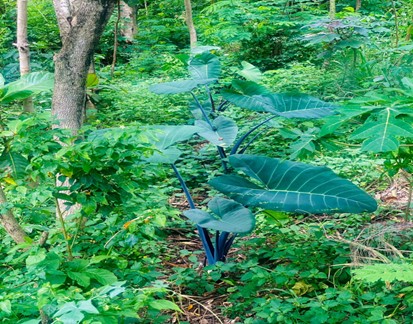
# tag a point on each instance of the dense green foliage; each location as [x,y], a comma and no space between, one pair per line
[128,254]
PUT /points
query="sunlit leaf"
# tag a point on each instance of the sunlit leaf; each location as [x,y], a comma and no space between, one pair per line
[385,272]
[250,72]
[27,86]
[382,135]
[163,304]
[92,80]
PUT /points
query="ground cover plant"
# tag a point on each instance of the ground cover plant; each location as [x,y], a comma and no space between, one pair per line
[240,140]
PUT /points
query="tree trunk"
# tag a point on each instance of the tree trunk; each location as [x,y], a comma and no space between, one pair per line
[10,223]
[332,12]
[129,27]
[358,5]
[81,24]
[190,23]
[23,47]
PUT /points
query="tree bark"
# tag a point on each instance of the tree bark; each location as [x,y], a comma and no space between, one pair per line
[23,48]
[190,23]
[358,5]
[10,223]
[81,24]
[129,27]
[332,12]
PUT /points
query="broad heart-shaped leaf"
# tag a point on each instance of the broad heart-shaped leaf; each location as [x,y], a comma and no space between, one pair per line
[205,66]
[292,187]
[27,86]
[381,135]
[180,86]
[247,94]
[174,87]
[298,106]
[229,216]
[164,136]
[168,155]
[223,132]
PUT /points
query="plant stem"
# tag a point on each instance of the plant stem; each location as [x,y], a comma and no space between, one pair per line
[211,100]
[203,233]
[66,236]
[396,24]
[203,111]
[409,197]
[242,139]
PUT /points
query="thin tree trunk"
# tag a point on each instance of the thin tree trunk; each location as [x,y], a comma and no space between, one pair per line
[129,27]
[145,3]
[115,39]
[358,5]
[10,223]
[409,33]
[23,48]
[332,12]
[190,23]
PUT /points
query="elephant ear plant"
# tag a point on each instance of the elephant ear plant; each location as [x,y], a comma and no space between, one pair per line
[268,184]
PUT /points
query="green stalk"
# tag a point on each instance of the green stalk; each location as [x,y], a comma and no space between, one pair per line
[66,236]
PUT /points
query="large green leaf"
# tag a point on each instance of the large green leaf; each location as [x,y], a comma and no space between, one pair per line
[164,136]
[169,155]
[27,86]
[81,278]
[103,276]
[250,72]
[174,87]
[229,216]
[247,94]
[292,187]
[222,133]
[381,134]
[205,66]
[298,106]
[14,162]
